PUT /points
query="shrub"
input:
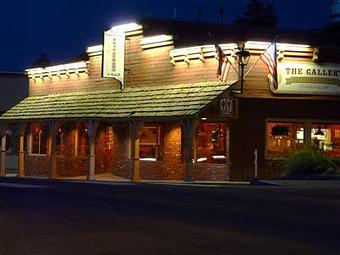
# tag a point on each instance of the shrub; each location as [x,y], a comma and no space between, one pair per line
[307,162]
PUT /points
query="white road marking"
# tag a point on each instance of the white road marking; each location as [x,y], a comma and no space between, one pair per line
[20,186]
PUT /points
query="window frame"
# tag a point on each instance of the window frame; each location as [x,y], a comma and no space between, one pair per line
[307,125]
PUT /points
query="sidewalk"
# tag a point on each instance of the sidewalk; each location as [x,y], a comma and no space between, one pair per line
[308,183]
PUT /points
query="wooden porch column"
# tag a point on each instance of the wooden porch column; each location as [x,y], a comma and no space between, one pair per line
[21,129]
[307,134]
[92,126]
[3,134]
[189,128]
[52,150]
[134,127]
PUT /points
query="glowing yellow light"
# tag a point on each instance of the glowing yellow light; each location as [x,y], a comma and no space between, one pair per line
[127,27]
[281,46]
[147,159]
[156,39]
[201,159]
[219,157]
[94,48]
[57,69]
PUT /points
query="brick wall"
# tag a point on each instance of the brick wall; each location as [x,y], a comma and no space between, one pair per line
[37,165]
[211,172]
[112,156]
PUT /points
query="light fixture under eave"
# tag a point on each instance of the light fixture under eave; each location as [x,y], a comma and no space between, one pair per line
[128,27]
[156,41]
[95,48]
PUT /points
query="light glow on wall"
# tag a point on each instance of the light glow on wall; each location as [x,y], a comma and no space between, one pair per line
[200,52]
[58,70]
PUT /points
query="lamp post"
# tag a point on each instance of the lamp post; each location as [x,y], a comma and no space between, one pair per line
[243,57]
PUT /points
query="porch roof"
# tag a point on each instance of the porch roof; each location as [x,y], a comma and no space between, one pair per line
[135,102]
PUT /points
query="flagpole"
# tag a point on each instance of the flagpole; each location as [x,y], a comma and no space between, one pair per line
[259,58]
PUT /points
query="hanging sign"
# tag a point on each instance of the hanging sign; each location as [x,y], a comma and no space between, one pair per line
[226,106]
[113,55]
[308,78]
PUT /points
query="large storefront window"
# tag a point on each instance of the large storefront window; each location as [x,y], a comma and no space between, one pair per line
[149,142]
[327,138]
[39,139]
[284,138]
[211,142]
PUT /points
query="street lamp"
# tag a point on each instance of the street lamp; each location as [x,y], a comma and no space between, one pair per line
[243,57]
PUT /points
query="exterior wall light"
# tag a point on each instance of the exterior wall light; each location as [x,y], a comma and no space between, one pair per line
[243,57]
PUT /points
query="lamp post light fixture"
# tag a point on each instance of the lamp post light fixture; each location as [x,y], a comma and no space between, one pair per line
[243,57]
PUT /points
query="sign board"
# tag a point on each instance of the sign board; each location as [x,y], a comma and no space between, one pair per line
[226,106]
[113,55]
[308,78]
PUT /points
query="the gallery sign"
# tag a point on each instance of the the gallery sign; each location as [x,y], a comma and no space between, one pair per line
[308,78]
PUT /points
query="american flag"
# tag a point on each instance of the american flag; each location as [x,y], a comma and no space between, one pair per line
[270,58]
[223,64]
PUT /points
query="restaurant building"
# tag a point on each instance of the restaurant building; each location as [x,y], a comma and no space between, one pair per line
[147,105]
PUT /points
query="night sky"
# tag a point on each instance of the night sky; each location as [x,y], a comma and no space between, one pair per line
[62,29]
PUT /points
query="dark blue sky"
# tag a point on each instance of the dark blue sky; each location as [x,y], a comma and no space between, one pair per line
[63,28]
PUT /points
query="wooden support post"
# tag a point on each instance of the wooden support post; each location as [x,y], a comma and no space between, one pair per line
[134,127]
[307,134]
[3,154]
[189,127]
[52,150]
[3,133]
[92,126]
[21,129]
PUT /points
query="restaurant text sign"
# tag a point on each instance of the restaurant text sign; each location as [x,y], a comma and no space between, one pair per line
[113,55]
[308,78]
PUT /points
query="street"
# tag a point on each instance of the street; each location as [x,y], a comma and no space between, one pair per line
[46,217]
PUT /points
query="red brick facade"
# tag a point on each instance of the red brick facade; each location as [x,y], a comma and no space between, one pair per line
[112,156]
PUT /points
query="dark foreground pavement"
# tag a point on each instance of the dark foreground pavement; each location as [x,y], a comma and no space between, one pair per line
[74,218]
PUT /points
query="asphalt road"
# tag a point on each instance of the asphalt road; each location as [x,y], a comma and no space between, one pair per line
[42,217]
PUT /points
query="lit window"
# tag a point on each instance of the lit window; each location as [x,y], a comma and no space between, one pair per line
[327,138]
[39,139]
[284,138]
[211,143]
[149,142]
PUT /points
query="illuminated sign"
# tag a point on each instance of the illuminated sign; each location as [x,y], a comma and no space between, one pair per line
[114,50]
[308,78]
[113,57]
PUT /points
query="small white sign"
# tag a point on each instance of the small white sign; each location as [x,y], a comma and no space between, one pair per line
[308,78]
[226,106]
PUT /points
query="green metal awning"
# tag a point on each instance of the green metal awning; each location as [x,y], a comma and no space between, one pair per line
[135,102]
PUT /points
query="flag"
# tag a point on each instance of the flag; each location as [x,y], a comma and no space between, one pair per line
[223,64]
[270,58]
